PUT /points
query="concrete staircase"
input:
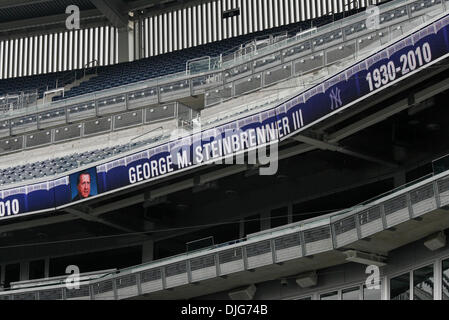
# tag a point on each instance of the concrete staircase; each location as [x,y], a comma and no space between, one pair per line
[67,87]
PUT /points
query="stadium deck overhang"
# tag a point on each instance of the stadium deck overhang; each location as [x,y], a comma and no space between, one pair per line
[380,243]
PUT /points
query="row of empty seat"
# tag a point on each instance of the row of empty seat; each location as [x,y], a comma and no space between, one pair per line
[38,83]
[59,165]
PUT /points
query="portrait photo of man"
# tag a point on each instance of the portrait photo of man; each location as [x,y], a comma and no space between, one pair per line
[83,186]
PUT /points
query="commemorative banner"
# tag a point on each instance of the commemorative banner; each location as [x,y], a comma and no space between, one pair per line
[396,61]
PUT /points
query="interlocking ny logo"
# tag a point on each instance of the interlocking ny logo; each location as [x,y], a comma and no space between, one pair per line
[335,99]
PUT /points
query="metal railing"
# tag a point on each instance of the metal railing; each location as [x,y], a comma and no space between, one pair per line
[122,102]
[195,81]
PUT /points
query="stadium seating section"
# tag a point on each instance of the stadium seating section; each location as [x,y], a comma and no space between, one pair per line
[153,67]
[121,74]
[54,166]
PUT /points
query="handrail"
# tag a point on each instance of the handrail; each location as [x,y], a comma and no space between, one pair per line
[188,62]
[144,134]
[13,185]
[87,65]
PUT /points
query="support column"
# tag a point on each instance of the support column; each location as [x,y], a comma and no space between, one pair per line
[290,213]
[399,179]
[148,251]
[265,222]
[47,267]
[24,270]
[242,229]
[2,276]
[126,44]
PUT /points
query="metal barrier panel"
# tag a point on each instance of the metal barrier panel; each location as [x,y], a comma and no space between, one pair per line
[129,119]
[267,62]
[38,139]
[369,42]
[396,210]
[342,52]
[81,111]
[396,32]
[25,296]
[142,98]
[288,247]
[259,254]
[97,126]
[231,261]
[127,286]
[160,113]
[53,294]
[411,24]
[277,74]
[384,36]
[5,297]
[176,274]
[52,118]
[184,113]
[300,49]
[12,144]
[218,95]
[327,39]
[423,200]
[422,5]
[23,124]
[396,14]
[443,189]
[237,71]
[370,221]
[352,31]
[67,133]
[309,63]
[174,90]
[202,83]
[345,231]
[203,268]
[151,280]
[83,293]
[249,84]
[103,290]
[111,104]
[4,128]
[317,240]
